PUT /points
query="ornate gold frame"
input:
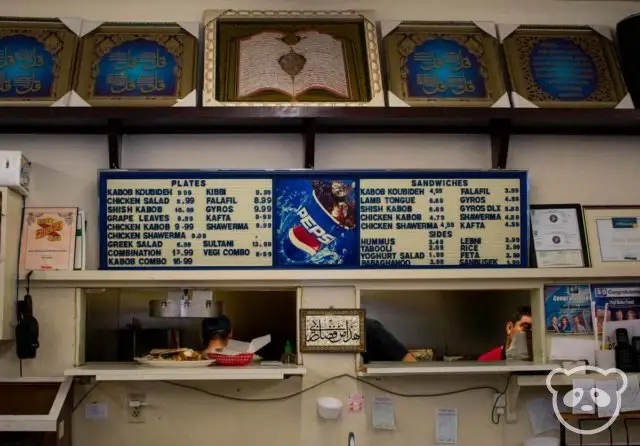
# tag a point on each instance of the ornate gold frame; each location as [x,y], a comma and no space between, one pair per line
[42,29]
[212,47]
[606,64]
[84,80]
[495,81]
[331,312]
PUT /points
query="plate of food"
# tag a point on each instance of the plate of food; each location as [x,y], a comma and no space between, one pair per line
[173,358]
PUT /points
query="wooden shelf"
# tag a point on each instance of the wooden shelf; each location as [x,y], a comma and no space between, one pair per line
[49,422]
[452,368]
[499,123]
[436,279]
[125,371]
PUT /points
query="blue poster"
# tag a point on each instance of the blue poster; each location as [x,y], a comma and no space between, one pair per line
[139,67]
[316,222]
[567,309]
[621,300]
[26,68]
[443,68]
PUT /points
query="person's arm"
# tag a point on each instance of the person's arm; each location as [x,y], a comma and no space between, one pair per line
[385,346]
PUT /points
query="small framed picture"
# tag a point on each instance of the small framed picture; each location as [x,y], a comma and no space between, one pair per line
[614,235]
[558,236]
[332,330]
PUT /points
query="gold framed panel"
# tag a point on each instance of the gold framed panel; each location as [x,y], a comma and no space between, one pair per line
[597,219]
[59,41]
[402,41]
[94,46]
[610,84]
[355,31]
[332,330]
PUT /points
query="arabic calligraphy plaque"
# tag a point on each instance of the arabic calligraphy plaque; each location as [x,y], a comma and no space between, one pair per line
[137,65]
[564,67]
[36,59]
[330,331]
[436,64]
[276,58]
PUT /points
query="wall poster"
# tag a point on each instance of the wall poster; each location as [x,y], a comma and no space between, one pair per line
[313,219]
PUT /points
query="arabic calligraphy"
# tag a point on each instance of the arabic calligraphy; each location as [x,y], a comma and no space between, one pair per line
[24,67]
[139,67]
[333,330]
[444,68]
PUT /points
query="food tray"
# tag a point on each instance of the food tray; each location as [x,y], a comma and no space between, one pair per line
[232,360]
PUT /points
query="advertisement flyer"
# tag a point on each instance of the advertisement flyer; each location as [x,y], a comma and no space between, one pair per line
[316,222]
[567,309]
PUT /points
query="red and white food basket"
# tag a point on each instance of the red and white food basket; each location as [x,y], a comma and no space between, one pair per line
[238,353]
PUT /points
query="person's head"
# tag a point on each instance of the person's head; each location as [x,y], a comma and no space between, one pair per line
[554,320]
[216,329]
[619,315]
[519,321]
[576,319]
[564,321]
[631,314]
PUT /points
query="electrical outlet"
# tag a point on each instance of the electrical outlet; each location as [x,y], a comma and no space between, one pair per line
[499,402]
[136,403]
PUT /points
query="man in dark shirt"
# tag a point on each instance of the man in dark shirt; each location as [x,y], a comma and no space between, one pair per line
[382,345]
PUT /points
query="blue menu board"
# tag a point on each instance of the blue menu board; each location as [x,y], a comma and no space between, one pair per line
[313,219]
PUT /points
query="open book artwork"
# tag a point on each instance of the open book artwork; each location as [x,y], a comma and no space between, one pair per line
[292,63]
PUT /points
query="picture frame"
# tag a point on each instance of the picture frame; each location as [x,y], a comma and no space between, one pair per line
[268,42]
[586,51]
[320,328]
[613,233]
[37,57]
[443,64]
[566,230]
[155,64]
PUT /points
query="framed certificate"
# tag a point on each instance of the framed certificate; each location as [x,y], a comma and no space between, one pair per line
[614,234]
[298,58]
[558,236]
[48,239]
[332,330]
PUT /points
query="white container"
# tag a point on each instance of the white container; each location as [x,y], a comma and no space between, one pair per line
[329,408]
[15,171]
[606,359]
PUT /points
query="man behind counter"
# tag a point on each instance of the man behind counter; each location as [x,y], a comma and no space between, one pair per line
[516,323]
[216,332]
[382,345]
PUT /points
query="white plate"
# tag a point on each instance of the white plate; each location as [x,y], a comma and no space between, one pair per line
[174,364]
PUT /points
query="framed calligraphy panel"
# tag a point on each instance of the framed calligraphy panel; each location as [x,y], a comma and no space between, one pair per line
[442,64]
[139,65]
[297,58]
[36,61]
[332,330]
[562,66]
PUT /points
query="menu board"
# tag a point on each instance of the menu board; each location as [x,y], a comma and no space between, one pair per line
[313,219]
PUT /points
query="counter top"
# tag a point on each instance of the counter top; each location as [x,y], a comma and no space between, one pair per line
[453,367]
[131,371]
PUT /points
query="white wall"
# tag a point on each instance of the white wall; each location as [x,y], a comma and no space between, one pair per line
[589,170]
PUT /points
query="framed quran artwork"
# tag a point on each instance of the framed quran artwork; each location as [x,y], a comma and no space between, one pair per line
[136,64]
[334,330]
[296,58]
[563,67]
[443,64]
[36,61]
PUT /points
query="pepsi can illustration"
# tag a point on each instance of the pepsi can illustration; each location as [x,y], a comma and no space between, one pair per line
[316,222]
